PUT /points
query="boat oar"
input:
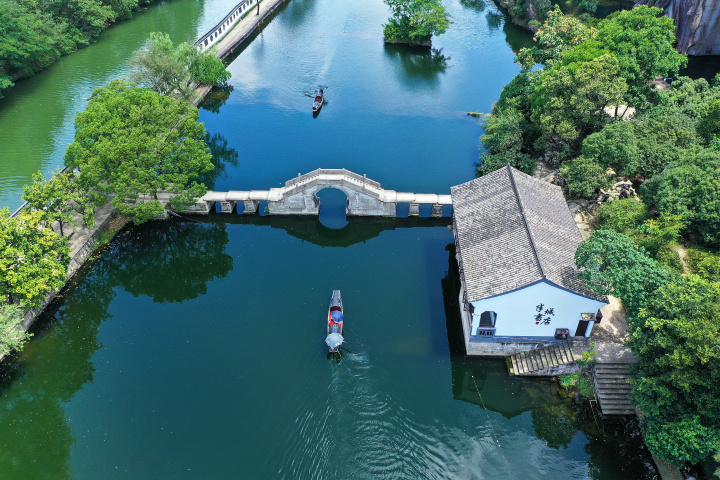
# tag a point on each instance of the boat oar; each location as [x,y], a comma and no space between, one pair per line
[356,344]
[349,371]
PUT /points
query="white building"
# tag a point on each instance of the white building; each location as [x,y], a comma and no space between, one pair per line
[515,244]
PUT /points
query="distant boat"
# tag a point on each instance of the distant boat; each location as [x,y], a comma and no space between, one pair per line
[319,98]
[335,320]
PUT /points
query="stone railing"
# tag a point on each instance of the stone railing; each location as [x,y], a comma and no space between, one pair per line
[225,25]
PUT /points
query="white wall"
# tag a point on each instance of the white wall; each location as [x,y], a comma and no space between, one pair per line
[516,311]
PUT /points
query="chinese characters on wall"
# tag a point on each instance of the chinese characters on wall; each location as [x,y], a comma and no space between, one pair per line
[543,314]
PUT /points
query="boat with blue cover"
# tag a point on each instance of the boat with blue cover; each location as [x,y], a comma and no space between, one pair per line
[335,320]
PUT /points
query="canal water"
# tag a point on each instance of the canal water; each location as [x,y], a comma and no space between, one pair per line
[193,348]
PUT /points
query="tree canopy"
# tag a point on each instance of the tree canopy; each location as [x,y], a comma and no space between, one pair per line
[677,344]
[690,188]
[33,258]
[172,69]
[60,199]
[12,337]
[35,33]
[133,142]
[415,21]
[611,264]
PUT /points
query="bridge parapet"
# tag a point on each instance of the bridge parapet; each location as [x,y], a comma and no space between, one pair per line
[299,196]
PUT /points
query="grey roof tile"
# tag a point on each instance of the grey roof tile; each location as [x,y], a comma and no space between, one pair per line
[514,230]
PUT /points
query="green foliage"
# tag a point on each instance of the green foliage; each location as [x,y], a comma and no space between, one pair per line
[207,69]
[578,381]
[709,127]
[610,263]
[568,101]
[502,143]
[623,215]
[614,146]
[583,177]
[59,199]
[135,143]
[558,34]
[173,70]
[704,263]
[35,33]
[690,188]
[12,336]
[33,258]
[657,233]
[642,39]
[677,344]
[678,442]
[415,21]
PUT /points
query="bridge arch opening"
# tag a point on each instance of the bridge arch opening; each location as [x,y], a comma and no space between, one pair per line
[333,207]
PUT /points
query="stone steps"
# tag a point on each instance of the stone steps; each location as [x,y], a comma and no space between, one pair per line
[549,356]
[612,388]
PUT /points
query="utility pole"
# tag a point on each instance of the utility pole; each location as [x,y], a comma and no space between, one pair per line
[258,4]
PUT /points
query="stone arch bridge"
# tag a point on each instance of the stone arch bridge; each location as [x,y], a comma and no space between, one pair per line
[365,197]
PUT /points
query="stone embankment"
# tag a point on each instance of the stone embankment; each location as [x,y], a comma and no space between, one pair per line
[83,241]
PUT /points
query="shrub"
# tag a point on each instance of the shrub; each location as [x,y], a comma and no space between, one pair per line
[583,177]
[624,215]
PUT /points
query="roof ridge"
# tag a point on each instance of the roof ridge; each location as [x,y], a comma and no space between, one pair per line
[525,221]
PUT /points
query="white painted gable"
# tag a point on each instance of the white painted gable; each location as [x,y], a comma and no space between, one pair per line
[535,311]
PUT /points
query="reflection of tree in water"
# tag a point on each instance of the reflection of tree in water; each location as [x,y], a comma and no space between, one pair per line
[216,98]
[222,156]
[168,261]
[554,424]
[419,62]
[171,261]
[477,5]
[494,20]
[619,452]
[33,427]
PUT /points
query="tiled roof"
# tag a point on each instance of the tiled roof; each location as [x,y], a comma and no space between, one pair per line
[514,230]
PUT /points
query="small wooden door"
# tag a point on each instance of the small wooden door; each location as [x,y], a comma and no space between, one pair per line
[582,328]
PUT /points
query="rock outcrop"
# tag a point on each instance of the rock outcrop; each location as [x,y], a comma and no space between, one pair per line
[526,13]
[697,21]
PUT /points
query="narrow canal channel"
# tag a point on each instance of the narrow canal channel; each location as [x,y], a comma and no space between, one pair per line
[194,349]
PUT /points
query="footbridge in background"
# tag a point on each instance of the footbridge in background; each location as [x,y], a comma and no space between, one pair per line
[365,197]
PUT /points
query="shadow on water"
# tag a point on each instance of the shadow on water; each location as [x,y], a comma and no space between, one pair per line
[309,229]
[616,448]
[419,64]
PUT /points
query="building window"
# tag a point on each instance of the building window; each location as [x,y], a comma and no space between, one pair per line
[487,319]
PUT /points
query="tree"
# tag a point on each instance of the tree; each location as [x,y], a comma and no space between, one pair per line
[558,34]
[690,188]
[33,258]
[415,21]
[642,39]
[614,146]
[610,263]
[709,126]
[135,143]
[569,101]
[502,143]
[174,69]
[623,215]
[60,199]
[583,176]
[12,336]
[677,344]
